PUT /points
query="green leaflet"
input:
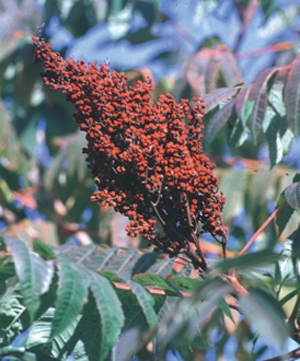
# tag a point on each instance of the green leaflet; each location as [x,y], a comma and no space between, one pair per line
[110,310]
[155,281]
[71,294]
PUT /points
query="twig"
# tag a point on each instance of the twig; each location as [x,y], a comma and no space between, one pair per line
[261,228]
[285,45]
[248,13]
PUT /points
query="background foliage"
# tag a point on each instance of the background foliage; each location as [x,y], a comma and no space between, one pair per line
[71,281]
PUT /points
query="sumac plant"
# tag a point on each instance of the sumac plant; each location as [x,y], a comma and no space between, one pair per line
[148,162]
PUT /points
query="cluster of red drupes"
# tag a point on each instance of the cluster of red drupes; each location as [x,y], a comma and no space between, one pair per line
[147,164]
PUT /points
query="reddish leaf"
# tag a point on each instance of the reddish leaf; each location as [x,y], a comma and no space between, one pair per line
[217,121]
[217,96]
[258,94]
[240,101]
[291,97]
[203,70]
[230,70]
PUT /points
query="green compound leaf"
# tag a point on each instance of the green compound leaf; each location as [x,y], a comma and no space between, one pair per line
[71,294]
[33,272]
[110,310]
[265,313]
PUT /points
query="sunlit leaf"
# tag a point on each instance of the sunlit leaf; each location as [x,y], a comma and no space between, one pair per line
[34,273]
[217,96]
[120,262]
[163,267]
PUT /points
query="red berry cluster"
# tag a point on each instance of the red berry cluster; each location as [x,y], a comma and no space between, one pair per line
[147,164]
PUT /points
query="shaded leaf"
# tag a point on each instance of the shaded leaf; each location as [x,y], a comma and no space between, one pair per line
[88,334]
[257,93]
[236,133]
[291,96]
[284,215]
[264,312]
[71,294]
[39,339]
[44,250]
[217,121]
[13,316]
[223,305]
[7,271]
[21,353]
